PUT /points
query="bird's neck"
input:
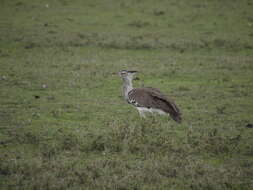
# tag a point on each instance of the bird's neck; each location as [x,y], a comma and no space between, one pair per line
[127,87]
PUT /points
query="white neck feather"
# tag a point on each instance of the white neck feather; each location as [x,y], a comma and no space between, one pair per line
[127,87]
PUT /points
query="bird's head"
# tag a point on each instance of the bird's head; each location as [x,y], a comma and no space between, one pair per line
[127,75]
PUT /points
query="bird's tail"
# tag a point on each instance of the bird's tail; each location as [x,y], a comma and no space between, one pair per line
[176,117]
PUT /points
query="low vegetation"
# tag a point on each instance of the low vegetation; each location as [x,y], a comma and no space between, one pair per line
[64,124]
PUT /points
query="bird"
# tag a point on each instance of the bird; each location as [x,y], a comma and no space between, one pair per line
[148,99]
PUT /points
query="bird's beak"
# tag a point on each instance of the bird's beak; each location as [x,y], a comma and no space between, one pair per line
[114,73]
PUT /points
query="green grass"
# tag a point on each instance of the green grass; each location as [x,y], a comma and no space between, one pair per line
[64,124]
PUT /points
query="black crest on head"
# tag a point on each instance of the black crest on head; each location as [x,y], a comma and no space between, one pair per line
[132,71]
[125,71]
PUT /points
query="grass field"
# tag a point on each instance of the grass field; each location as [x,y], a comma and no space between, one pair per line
[64,124]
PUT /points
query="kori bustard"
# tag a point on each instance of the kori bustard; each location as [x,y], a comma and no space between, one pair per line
[148,99]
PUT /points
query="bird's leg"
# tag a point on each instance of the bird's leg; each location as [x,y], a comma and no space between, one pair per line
[141,112]
[153,117]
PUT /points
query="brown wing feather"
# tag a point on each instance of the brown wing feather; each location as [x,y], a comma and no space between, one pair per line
[153,98]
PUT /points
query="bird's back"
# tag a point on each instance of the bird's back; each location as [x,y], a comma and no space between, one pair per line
[153,98]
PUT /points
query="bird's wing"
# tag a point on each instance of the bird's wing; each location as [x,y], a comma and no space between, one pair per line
[156,93]
[140,98]
[153,98]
